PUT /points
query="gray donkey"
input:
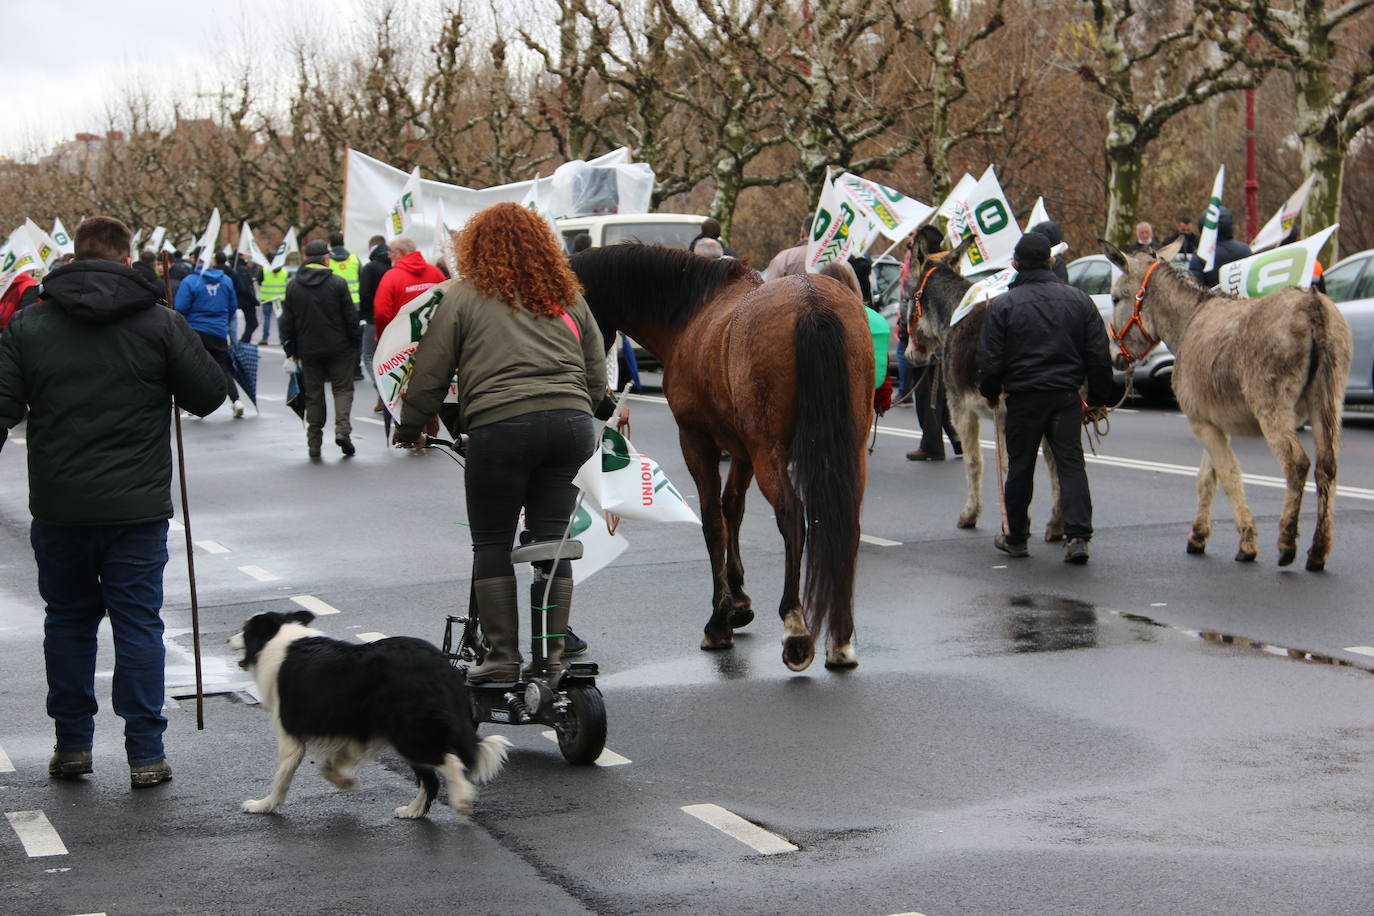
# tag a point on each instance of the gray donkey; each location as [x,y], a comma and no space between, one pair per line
[1244,367]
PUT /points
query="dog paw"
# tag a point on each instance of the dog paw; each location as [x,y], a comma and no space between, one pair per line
[410,812]
[462,809]
[346,781]
[259,806]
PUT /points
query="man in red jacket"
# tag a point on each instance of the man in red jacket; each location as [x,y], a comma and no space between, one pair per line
[409,276]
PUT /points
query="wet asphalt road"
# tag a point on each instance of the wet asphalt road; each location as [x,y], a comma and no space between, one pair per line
[1135,735]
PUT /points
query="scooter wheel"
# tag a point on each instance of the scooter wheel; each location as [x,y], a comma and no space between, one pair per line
[582,735]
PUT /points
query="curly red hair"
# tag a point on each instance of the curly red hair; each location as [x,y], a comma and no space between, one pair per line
[508,252]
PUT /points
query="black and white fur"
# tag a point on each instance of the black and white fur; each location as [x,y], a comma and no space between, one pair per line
[345,702]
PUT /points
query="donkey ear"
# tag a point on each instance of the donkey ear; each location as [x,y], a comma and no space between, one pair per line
[957,253]
[1169,251]
[1114,254]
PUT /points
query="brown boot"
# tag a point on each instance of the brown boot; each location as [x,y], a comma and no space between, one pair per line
[499,615]
[555,621]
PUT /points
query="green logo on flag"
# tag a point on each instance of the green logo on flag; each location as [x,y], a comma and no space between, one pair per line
[615,451]
[1274,271]
[581,522]
[991,216]
[1213,214]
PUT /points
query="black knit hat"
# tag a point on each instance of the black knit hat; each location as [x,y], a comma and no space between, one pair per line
[1032,251]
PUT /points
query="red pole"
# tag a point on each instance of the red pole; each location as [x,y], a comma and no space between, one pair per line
[1251,182]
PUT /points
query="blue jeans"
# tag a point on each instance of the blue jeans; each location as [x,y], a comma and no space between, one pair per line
[266,321]
[83,572]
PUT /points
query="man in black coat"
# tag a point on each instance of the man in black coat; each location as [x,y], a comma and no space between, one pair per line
[246,277]
[378,263]
[1040,342]
[1228,249]
[319,329]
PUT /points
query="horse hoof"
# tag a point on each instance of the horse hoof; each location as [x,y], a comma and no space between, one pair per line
[966,522]
[741,617]
[712,644]
[1286,556]
[841,659]
[1315,565]
[1245,556]
[1196,550]
[798,652]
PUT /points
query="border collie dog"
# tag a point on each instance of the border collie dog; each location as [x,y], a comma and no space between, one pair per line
[344,702]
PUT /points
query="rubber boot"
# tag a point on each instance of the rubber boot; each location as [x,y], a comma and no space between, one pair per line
[499,615]
[555,619]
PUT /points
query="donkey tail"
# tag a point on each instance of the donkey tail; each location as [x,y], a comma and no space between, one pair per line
[827,469]
[1329,368]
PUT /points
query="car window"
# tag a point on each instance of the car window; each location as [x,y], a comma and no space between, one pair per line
[1365,288]
[1342,281]
[884,281]
[1095,278]
[673,235]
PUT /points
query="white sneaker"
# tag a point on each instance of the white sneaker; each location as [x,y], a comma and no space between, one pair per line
[238,409]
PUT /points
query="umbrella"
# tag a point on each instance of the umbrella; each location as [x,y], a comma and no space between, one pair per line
[295,396]
[243,361]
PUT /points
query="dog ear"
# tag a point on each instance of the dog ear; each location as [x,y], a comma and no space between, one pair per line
[301,617]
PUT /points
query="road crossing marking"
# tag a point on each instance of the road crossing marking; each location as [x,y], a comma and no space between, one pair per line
[736,827]
[608,758]
[878,542]
[370,637]
[369,420]
[1360,650]
[6,765]
[314,605]
[212,547]
[36,833]
[257,572]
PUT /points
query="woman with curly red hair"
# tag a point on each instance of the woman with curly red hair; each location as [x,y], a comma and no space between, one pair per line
[531,370]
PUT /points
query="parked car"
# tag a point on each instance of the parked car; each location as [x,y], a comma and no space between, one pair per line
[1350,284]
[1094,275]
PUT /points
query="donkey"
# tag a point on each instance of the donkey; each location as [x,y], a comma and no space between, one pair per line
[1243,367]
[939,291]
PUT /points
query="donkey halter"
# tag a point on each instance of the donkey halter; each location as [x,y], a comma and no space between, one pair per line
[1134,321]
[919,309]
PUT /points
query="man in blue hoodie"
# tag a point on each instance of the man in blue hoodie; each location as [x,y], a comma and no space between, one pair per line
[208,301]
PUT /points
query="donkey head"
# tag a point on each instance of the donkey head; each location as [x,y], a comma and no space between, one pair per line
[940,288]
[1133,331]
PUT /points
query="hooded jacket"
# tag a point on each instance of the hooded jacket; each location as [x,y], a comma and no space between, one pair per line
[1050,230]
[208,301]
[410,276]
[96,363]
[318,317]
[1228,249]
[369,278]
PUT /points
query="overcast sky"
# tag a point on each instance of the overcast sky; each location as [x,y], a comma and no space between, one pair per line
[71,59]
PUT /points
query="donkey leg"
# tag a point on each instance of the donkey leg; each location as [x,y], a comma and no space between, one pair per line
[736,487]
[702,456]
[798,645]
[1218,446]
[1277,426]
[1328,443]
[1206,493]
[1054,531]
[966,421]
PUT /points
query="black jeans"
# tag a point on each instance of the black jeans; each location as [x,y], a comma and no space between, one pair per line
[218,348]
[935,418]
[527,462]
[1056,416]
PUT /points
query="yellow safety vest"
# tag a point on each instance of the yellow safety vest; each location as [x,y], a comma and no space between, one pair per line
[348,269]
[273,287]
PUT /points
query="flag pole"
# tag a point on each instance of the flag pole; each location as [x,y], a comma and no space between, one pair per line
[166,261]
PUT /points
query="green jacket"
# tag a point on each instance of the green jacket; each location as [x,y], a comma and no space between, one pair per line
[509,361]
[96,363]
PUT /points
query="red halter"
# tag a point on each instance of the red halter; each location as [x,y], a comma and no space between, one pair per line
[919,310]
[1134,321]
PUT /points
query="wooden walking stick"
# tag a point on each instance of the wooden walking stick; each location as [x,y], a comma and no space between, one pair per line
[166,262]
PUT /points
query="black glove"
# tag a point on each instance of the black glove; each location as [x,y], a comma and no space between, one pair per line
[405,436]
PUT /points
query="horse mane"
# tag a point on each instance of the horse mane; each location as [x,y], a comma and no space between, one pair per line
[654,283]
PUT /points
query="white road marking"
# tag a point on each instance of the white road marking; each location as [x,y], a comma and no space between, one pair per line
[257,572]
[878,542]
[314,605]
[36,833]
[212,547]
[1360,650]
[269,397]
[1160,604]
[6,765]
[369,420]
[91,914]
[736,827]
[370,637]
[608,758]
[1003,566]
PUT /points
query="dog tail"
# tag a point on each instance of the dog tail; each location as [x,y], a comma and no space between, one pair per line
[491,756]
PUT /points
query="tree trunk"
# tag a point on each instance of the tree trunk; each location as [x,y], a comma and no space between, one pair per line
[1123,193]
[1323,146]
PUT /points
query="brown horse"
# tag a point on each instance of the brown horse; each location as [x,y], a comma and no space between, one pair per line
[1243,367]
[780,375]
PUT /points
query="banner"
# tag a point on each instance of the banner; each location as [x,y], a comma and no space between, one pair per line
[62,238]
[288,246]
[207,241]
[1038,214]
[398,218]
[443,242]
[618,478]
[372,187]
[831,238]
[985,290]
[892,213]
[394,360]
[1207,241]
[248,246]
[984,214]
[1278,227]
[1271,271]
[599,546]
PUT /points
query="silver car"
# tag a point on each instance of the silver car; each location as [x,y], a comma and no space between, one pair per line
[1094,275]
[1350,284]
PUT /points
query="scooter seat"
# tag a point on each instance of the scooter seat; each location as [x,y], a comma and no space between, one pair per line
[543,551]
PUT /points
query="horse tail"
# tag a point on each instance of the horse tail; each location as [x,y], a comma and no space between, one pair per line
[827,468]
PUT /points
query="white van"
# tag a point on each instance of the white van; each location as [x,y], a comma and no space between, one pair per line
[674,230]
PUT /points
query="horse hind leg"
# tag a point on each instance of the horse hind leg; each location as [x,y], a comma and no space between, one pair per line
[703,461]
[798,644]
[1278,428]
[1054,531]
[1327,446]
[966,421]
[1227,469]
[736,489]
[1206,493]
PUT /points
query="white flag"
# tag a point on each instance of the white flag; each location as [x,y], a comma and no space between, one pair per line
[46,248]
[618,478]
[1270,271]
[156,239]
[831,238]
[1207,241]
[288,246]
[962,188]
[985,290]
[398,220]
[62,238]
[443,242]
[892,213]
[248,246]
[208,240]
[984,214]
[19,253]
[133,244]
[599,546]
[1277,229]
[1038,214]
